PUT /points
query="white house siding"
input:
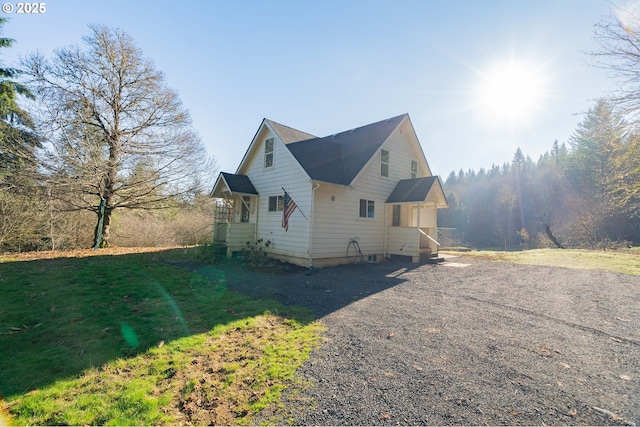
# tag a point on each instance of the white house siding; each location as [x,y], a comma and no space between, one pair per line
[285,172]
[337,221]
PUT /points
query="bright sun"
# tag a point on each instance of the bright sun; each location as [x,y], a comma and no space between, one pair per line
[510,92]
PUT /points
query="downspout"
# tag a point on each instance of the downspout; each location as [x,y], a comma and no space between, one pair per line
[313,196]
[418,233]
[384,249]
[257,215]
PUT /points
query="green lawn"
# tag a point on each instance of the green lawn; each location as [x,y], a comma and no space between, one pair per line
[626,262]
[129,339]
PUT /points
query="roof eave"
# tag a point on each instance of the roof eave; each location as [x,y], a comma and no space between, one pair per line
[219,179]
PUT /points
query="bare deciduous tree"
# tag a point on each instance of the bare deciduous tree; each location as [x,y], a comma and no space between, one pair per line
[619,39]
[118,137]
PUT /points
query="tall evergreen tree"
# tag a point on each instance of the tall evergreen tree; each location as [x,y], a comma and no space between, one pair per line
[20,219]
[595,144]
[18,139]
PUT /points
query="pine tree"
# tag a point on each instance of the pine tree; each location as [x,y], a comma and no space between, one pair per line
[18,139]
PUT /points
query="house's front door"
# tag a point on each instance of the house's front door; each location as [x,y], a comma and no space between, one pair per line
[244,212]
[395,219]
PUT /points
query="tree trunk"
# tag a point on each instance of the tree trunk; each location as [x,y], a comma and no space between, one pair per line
[106,229]
[102,231]
[552,237]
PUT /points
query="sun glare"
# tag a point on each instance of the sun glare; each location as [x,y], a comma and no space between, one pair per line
[510,92]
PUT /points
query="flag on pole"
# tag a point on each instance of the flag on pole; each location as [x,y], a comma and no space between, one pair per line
[289,207]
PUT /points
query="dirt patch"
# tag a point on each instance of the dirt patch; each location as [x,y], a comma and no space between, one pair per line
[491,343]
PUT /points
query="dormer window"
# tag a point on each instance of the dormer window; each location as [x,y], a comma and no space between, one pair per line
[414,168]
[384,163]
[268,153]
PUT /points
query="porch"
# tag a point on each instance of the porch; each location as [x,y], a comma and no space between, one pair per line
[418,243]
[236,213]
[411,219]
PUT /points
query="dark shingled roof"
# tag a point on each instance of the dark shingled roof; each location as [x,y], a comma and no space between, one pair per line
[239,183]
[412,190]
[339,158]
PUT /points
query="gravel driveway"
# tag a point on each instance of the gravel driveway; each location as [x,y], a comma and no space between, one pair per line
[467,342]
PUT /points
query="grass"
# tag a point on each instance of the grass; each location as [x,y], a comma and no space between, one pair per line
[129,339]
[625,262]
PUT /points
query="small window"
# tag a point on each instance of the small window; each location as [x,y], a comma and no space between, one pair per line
[384,163]
[268,153]
[276,203]
[414,168]
[367,208]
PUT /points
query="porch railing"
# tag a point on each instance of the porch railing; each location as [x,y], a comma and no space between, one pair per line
[234,235]
[403,241]
[429,237]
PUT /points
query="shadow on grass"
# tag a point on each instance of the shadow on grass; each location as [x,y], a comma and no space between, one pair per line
[59,317]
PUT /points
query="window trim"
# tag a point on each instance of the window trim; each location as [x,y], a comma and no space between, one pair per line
[368,208]
[269,154]
[279,202]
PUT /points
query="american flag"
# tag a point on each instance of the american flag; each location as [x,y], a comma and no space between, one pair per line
[289,207]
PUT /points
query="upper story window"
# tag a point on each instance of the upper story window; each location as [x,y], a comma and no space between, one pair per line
[268,153]
[384,163]
[414,168]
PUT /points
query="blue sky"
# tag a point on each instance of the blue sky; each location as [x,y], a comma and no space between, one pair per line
[329,66]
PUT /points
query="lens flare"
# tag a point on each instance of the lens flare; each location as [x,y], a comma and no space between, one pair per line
[129,335]
[628,16]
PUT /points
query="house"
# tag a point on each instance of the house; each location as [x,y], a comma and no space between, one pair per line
[371,185]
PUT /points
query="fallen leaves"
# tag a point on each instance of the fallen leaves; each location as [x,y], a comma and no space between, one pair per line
[80,253]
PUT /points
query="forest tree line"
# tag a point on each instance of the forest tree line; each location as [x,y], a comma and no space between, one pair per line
[583,193]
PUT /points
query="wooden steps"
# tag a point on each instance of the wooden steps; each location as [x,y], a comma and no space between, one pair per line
[431,258]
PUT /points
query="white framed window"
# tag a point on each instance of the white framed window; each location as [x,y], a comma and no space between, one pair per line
[384,163]
[367,208]
[414,168]
[268,153]
[276,203]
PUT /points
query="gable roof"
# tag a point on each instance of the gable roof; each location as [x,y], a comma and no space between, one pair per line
[288,134]
[238,184]
[417,190]
[340,157]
